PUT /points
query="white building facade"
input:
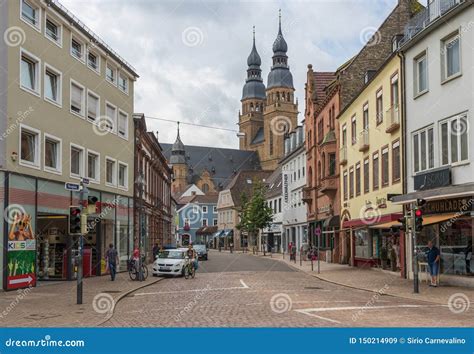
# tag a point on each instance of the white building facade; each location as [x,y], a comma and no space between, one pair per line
[293,181]
[438,56]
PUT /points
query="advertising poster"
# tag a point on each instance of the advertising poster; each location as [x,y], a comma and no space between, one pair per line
[21,253]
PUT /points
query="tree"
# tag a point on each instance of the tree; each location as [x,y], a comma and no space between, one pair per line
[255,214]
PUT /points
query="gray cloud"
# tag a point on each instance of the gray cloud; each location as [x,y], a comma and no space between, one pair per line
[199,78]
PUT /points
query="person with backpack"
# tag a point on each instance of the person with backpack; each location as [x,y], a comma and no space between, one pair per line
[112,259]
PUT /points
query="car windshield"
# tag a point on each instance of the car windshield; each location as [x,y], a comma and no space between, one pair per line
[200,247]
[171,254]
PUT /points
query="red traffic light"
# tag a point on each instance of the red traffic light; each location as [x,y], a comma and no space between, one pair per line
[418,213]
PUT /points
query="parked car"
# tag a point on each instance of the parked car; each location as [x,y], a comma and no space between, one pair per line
[169,262]
[201,250]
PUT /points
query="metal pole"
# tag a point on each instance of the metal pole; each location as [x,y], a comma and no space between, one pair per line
[416,287]
[140,230]
[319,242]
[301,251]
[81,250]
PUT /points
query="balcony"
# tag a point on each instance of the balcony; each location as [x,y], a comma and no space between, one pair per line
[343,155]
[435,10]
[364,140]
[328,184]
[307,195]
[393,119]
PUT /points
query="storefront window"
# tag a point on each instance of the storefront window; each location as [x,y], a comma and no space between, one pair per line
[455,244]
[363,244]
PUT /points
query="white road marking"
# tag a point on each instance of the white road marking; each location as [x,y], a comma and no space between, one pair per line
[244,286]
[320,317]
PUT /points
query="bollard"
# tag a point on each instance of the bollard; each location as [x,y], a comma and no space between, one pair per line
[312,268]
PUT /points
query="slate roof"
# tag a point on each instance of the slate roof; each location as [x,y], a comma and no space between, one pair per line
[321,80]
[221,163]
[259,137]
[240,184]
[274,184]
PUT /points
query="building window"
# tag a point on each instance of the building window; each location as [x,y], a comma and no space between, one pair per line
[365,119]
[421,74]
[77,161]
[29,147]
[394,91]
[30,14]
[204,222]
[454,140]
[204,209]
[93,106]
[375,172]
[344,185]
[110,172]
[379,106]
[214,222]
[77,49]
[123,125]
[77,99]
[353,130]
[366,176]
[357,181]
[93,61]
[111,113]
[110,74]
[271,143]
[123,83]
[29,72]
[279,205]
[451,56]
[53,31]
[93,166]
[423,150]
[214,210]
[52,154]
[396,166]
[52,85]
[123,175]
[351,182]
[385,164]
[344,135]
[332,164]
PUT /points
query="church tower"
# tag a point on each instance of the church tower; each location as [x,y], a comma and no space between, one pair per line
[281,110]
[253,102]
[179,165]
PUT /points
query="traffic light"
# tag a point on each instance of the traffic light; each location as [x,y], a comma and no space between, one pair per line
[74,220]
[418,219]
[420,202]
[405,221]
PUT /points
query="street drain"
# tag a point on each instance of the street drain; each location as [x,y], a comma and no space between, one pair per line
[311,288]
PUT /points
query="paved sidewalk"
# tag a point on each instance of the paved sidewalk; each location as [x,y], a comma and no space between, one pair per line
[52,304]
[376,280]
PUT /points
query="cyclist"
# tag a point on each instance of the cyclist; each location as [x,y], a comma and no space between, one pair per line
[135,258]
[191,253]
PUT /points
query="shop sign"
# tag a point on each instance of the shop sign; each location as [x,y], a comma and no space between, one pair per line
[285,187]
[381,203]
[21,253]
[324,209]
[458,205]
[433,179]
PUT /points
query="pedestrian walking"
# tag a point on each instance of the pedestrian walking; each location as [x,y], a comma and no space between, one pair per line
[155,251]
[231,247]
[112,259]
[433,263]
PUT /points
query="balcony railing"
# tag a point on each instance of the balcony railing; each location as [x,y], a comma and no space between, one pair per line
[364,140]
[343,155]
[434,10]
[393,119]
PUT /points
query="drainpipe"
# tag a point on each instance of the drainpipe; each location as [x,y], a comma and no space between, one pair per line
[403,145]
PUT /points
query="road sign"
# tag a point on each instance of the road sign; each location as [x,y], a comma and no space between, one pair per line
[72,186]
[85,180]
[21,281]
[317,231]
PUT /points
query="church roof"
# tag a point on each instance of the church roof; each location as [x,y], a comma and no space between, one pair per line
[259,137]
[221,163]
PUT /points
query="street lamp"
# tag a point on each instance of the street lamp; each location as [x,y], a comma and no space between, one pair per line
[141,185]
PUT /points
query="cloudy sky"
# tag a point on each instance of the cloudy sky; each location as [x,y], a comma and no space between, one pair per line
[191,55]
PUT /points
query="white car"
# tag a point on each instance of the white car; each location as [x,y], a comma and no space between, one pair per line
[169,262]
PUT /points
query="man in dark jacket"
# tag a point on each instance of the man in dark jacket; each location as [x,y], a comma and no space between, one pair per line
[112,260]
[433,262]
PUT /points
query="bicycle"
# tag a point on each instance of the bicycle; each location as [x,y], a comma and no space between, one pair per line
[134,272]
[189,269]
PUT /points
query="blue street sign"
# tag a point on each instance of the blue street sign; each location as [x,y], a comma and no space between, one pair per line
[85,180]
[72,186]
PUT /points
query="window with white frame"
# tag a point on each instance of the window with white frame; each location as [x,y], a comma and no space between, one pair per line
[421,74]
[30,72]
[30,13]
[29,146]
[77,161]
[214,210]
[53,31]
[204,209]
[423,149]
[110,171]
[52,85]
[52,154]
[77,98]
[214,222]
[93,166]
[123,124]
[122,175]
[77,48]
[123,82]
[111,113]
[110,74]
[454,140]
[379,106]
[451,56]
[93,106]
[204,222]
[93,61]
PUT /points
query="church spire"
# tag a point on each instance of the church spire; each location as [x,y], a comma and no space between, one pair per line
[178,151]
[254,87]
